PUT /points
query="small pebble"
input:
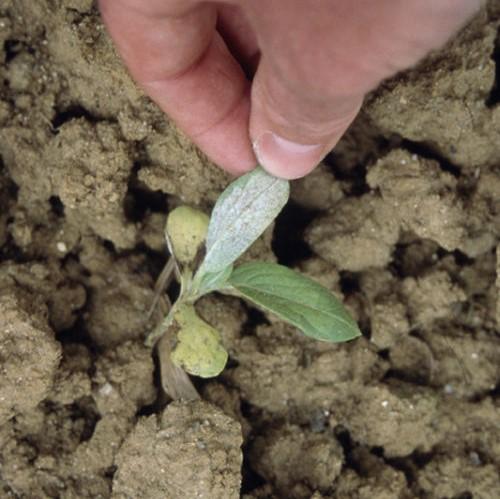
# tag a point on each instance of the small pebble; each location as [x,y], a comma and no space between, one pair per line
[474,458]
[61,247]
[106,389]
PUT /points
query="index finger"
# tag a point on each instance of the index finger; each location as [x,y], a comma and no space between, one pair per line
[174,53]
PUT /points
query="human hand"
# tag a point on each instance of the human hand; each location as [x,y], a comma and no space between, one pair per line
[312,62]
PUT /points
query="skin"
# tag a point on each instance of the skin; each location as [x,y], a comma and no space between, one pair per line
[278,81]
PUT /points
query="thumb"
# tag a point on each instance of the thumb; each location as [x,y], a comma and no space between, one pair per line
[293,126]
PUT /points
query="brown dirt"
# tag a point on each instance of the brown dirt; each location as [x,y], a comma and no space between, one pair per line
[402,221]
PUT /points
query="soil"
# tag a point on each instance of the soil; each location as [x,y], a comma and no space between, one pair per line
[402,221]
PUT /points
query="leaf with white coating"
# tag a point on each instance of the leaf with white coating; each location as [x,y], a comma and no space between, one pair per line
[242,213]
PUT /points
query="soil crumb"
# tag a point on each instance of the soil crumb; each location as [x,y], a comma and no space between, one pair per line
[191,450]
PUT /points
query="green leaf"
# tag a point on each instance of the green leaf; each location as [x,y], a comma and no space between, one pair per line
[242,213]
[296,299]
[212,281]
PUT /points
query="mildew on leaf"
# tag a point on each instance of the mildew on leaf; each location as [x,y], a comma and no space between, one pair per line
[242,213]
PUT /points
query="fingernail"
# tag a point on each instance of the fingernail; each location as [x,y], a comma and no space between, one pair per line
[284,158]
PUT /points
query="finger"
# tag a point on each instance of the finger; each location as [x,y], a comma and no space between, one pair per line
[292,130]
[239,36]
[175,54]
[311,81]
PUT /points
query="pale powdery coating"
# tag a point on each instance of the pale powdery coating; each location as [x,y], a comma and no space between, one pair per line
[242,213]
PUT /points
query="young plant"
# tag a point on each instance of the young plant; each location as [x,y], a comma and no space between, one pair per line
[204,252]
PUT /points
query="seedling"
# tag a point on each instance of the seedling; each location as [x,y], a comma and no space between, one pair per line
[203,255]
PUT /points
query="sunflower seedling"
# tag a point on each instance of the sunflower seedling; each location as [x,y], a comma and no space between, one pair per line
[203,255]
